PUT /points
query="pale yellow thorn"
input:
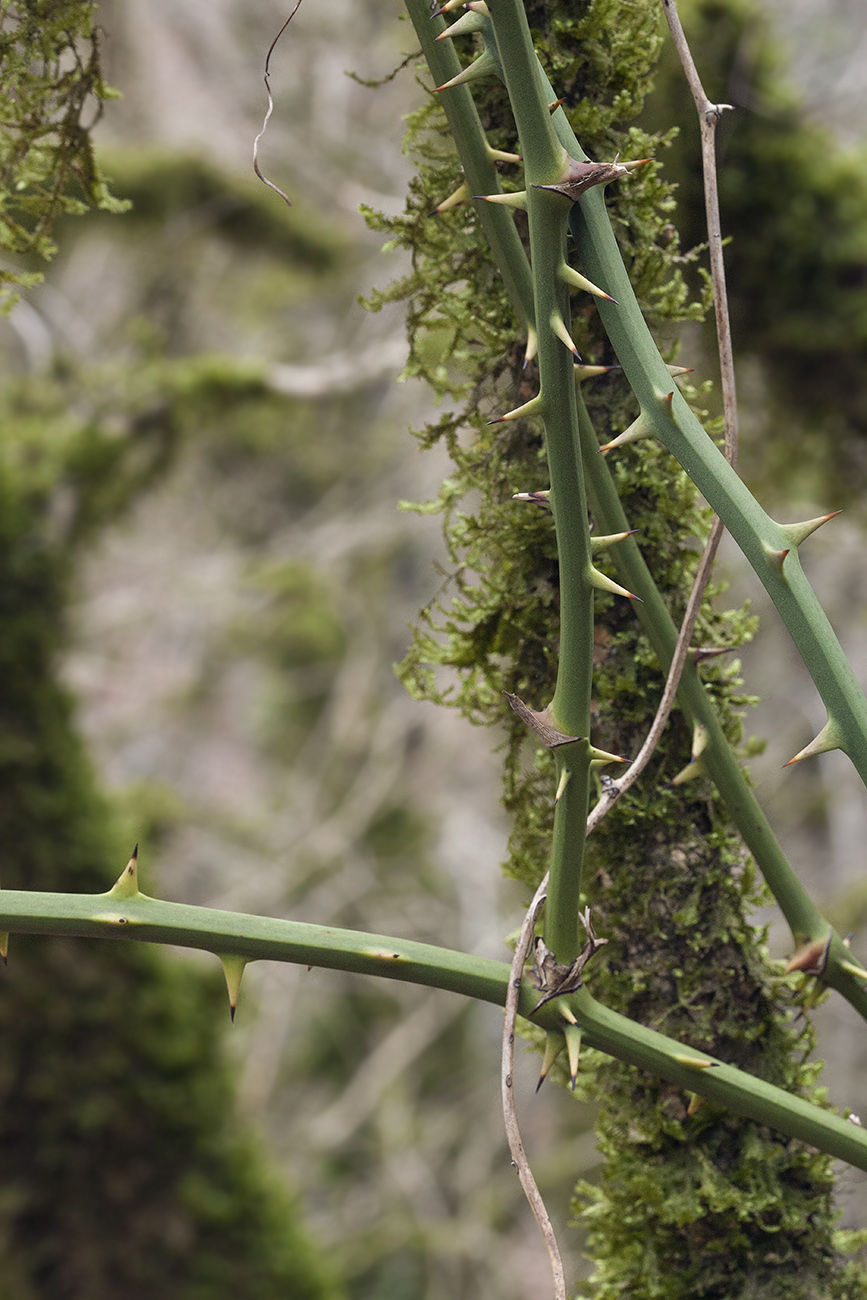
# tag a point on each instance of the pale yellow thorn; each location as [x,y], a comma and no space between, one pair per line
[233,969]
[126,885]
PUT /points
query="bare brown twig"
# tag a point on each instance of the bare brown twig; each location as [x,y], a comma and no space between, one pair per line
[708,115]
[510,1118]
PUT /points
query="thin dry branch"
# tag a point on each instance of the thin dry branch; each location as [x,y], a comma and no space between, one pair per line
[708,115]
[262,177]
[510,1118]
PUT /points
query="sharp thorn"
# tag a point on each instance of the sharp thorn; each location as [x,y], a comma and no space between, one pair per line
[460,195]
[602,543]
[700,653]
[559,328]
[812,957]
[573,1049]
[692,770]
[639,428]
[591,372]
[465,26]
[797,533]
[579,281]
[603,583]
[827,739]
[484,66]
[602,757]
[515,199]
[554,1044]
[776,558]
[537,498]
[533,407]
[233,969]
[697,1062]
[126,885]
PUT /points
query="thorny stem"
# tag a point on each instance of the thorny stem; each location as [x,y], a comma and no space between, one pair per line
[723,767]
[480,172]
[709,115]
[570,706]
[150,920]
[800,912]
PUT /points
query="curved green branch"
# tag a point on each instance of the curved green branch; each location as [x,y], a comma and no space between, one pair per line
[150,920]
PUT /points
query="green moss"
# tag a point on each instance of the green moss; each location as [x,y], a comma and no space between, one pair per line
[50,84]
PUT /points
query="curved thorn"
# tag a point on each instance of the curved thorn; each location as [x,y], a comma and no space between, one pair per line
[797,533]
[514,199]
[460,195]
[533,407]
[559,328]
[604,583]
[579,281]
[554,1044]
[126,885]
[827,739]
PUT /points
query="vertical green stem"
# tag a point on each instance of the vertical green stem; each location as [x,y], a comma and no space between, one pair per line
[570,707]
[481,174]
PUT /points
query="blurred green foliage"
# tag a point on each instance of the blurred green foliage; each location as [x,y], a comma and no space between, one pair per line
[794,210]
[125,1172]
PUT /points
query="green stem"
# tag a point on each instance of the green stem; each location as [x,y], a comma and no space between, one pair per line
[723,768]
[149,920]
[758,536]
[570,707]
[480,172]
[803,918]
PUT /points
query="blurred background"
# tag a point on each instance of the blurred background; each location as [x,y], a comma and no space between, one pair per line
[230,625]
